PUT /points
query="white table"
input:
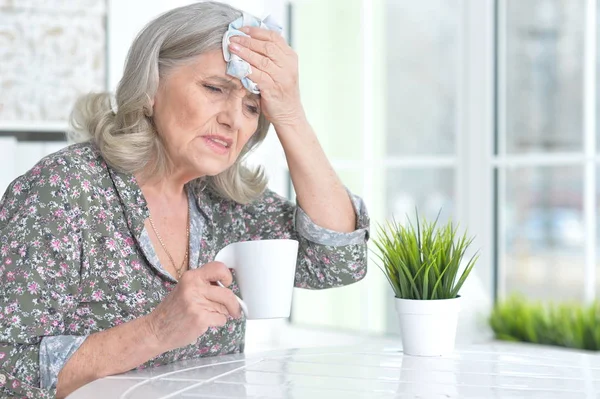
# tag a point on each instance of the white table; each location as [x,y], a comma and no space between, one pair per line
[495,370]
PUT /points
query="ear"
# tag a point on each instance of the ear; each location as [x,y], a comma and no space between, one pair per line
[149,111]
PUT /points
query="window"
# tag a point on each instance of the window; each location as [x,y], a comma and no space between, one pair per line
[380,86]
[485,108]
[545,148]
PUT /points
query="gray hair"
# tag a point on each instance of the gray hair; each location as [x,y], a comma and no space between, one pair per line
[126,137]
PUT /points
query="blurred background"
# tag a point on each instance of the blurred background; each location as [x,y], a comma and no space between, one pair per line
[485,109]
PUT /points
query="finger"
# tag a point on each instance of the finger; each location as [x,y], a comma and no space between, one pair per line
[266,48]
[214,319]
[266,35]
[263,34]
[216,307]
[213,272]
[262,79]
[225,297]
[256,59]
[263,67]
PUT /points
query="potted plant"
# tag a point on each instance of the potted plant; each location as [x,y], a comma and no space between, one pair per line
[422,265]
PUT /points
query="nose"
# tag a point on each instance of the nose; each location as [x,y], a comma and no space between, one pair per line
[231,115]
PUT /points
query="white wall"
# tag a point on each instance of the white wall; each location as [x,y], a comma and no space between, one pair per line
[125,20]
[19,157]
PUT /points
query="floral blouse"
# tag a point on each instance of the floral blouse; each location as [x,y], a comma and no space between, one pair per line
[75,259]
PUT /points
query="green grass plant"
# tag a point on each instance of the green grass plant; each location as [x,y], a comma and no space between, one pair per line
[423,261]
[569,324]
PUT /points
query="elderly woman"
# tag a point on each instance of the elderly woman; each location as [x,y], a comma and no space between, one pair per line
[107,247]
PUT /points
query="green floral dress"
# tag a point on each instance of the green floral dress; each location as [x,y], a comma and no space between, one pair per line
[75,259]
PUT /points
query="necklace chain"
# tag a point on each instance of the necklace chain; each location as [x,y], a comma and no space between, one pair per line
[179,269]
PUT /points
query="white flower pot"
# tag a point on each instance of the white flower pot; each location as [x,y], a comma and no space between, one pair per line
[428,327]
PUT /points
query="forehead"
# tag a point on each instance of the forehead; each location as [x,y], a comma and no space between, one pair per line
[210,63]
[211,66]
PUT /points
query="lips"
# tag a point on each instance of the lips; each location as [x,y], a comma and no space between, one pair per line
[220,140]
[218,144]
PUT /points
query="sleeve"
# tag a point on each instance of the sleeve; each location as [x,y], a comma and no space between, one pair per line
[326,258]
[55,352]
[39,275]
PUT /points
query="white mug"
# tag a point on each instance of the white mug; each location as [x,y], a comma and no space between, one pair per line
[265,272]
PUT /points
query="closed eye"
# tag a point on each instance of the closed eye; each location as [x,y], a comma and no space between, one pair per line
[213,89]
[253,109]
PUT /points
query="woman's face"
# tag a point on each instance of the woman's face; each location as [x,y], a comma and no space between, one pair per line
[204,116]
